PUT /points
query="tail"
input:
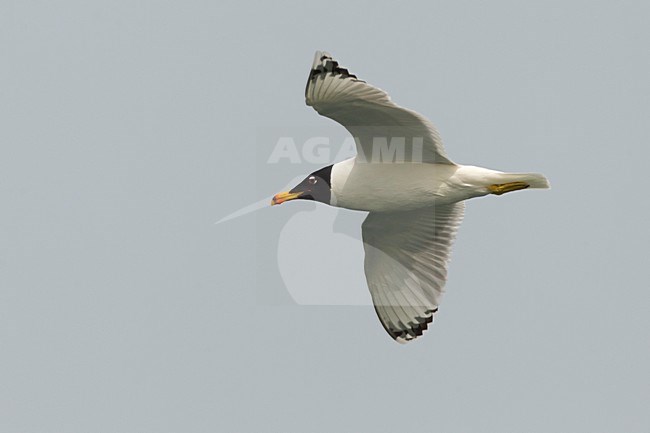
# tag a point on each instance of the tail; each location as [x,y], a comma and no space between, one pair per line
[535,180]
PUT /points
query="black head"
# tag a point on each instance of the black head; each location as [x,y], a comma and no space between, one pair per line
[317,186]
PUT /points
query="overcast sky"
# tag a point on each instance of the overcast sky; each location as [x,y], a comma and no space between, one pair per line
[129,128]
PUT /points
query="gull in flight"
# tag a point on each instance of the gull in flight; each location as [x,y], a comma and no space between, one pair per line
[413,193]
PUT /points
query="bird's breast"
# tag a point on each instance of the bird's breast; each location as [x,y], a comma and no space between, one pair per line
[392,186]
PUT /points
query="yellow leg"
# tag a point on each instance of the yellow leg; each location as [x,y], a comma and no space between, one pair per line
[502,188]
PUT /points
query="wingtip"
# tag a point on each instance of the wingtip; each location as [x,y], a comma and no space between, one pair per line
[403,336]
[319,57]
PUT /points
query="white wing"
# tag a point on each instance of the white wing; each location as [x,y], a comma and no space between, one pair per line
[370,115]
[406,265]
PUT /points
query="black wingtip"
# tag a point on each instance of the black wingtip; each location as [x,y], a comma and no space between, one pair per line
[405,335]
[326,65]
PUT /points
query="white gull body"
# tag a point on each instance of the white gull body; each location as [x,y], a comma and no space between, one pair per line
[387,187]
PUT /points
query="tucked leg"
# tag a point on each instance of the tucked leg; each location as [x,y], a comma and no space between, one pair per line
[502,188]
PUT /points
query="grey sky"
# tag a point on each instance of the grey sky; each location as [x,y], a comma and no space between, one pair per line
[128,128]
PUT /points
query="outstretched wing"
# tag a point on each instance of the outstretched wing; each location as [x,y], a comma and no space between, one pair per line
[380,127]
[406,265]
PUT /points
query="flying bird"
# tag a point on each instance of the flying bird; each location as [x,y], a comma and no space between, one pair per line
[413,193]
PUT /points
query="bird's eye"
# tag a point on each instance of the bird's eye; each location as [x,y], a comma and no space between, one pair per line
[311,180]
